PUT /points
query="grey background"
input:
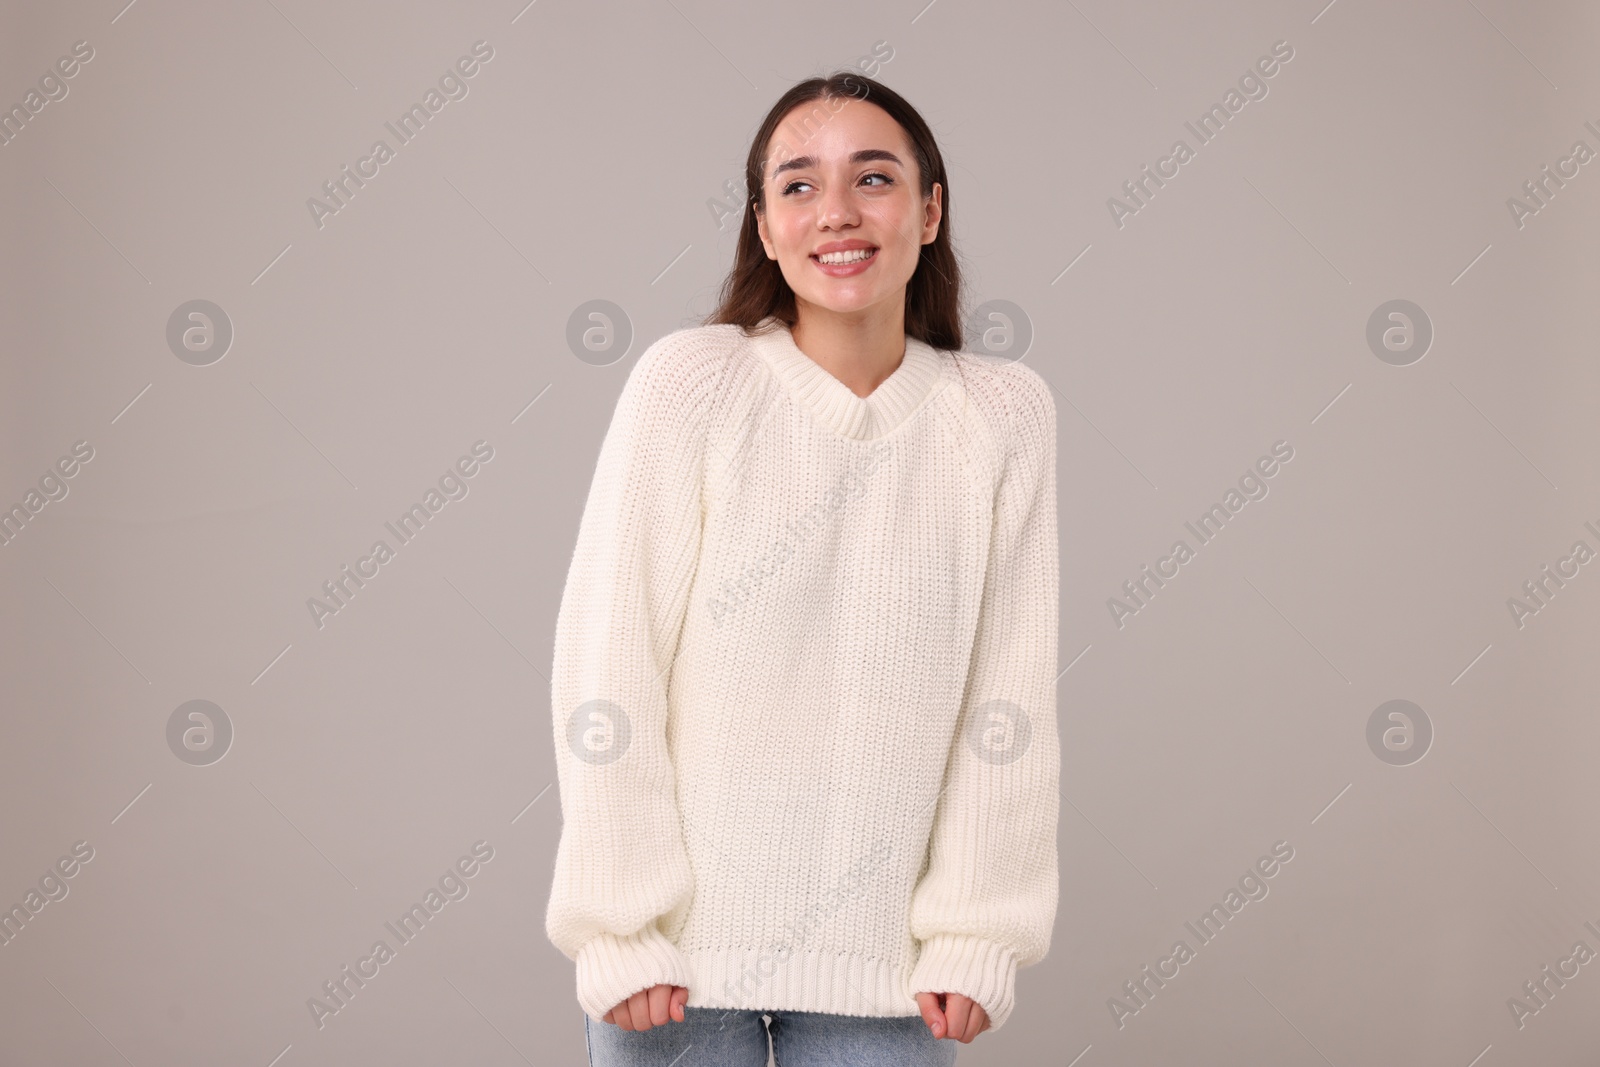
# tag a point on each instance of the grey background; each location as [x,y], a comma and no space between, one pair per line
[433,311]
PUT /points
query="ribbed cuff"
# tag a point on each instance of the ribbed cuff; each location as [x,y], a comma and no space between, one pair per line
[611,968]
[975,967]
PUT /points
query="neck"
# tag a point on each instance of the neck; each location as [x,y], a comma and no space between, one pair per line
[861,349]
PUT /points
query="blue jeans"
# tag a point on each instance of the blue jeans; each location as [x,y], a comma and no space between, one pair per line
[725,1037]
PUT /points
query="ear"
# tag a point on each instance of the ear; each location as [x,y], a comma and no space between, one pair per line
[761,230]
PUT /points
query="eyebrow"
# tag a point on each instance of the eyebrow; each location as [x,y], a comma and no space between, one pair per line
[864,156]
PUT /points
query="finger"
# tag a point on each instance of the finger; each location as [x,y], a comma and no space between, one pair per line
[659,997]
[929,1003]
[680,997]
[957,1009]
[977,1021]
[639,1009]
[607,1017]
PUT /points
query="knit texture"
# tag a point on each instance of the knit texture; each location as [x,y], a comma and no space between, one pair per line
[803,688]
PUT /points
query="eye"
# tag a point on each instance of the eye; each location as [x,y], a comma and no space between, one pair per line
[887,181]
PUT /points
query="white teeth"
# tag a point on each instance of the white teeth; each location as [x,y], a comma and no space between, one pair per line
[846,257]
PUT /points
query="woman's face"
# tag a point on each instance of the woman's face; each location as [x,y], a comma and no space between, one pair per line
[845,177]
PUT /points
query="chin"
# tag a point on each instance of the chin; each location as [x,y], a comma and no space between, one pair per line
[843,307]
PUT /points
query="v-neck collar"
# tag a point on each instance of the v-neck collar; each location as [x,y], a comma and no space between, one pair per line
[835,405]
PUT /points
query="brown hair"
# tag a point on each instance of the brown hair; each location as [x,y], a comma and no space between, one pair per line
[755,287]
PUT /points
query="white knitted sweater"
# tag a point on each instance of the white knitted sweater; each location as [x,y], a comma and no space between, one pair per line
[803,690]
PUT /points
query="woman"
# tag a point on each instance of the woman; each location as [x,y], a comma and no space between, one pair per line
[804,672]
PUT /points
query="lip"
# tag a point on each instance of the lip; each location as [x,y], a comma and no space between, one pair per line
[845,270]
[842,246]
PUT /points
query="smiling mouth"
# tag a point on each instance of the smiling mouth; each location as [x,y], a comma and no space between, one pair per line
[839,259]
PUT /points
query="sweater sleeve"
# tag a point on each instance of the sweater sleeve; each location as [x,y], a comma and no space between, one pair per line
[986,902]
[621,864]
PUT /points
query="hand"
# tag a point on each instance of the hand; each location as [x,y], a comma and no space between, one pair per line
[655,1006]
[953,1015]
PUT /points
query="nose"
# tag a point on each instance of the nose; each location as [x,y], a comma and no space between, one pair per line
[836,207]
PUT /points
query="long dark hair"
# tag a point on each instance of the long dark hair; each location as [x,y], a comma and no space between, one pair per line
[755,288]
